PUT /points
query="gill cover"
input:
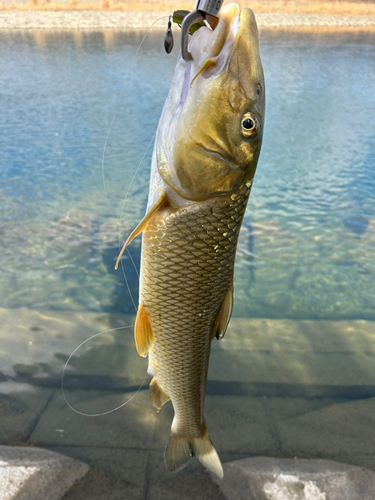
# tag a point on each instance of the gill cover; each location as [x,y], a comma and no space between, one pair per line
[210,131]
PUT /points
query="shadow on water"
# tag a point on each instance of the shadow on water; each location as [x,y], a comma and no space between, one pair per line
[88,250]
[357,224]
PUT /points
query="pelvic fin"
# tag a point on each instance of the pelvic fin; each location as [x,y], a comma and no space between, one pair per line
[143,332]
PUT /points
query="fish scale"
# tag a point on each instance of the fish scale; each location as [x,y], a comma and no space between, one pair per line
[199,281]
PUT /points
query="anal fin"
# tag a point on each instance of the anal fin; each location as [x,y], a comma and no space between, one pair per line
[157,396]
[161,202]
[143,332]
[224,314]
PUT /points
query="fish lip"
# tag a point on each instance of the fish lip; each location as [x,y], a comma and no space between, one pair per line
[210,42]
[207,43]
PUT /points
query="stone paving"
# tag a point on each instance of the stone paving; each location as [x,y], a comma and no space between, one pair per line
[295,479]
[276,388]
[34,474]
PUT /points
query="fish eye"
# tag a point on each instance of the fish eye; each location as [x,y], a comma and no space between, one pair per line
[249,125]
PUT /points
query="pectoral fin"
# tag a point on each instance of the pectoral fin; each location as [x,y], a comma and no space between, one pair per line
[143,332]
[160,203]
[157,396]
[223,317]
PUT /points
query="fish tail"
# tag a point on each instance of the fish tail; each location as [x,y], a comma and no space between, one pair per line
[177,452]
[180,449]
[207,455]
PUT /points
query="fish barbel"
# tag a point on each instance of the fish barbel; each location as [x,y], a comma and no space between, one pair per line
[206,151]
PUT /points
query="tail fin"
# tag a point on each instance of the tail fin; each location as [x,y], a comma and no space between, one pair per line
[207,455]
[180,449]
[177,452]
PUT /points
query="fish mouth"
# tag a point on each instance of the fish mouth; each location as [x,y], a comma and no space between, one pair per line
[219,44]
[207,42]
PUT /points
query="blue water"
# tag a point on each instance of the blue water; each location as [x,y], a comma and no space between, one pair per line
[307,248]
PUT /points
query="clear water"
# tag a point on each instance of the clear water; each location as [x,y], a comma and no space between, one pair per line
[307,249]
[277,386]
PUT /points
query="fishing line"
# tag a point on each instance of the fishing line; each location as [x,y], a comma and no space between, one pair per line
[109,133]
[131,183]
[118,105]
[66,365]
[112,214]
[105,150]
[122,212]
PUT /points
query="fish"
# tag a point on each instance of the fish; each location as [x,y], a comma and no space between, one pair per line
[205,155]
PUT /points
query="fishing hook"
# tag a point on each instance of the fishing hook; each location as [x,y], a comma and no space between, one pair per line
[206,10]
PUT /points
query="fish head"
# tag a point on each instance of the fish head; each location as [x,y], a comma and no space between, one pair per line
[210,132]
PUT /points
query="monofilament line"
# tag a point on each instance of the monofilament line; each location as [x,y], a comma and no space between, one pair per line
[105,150]
[66,365]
